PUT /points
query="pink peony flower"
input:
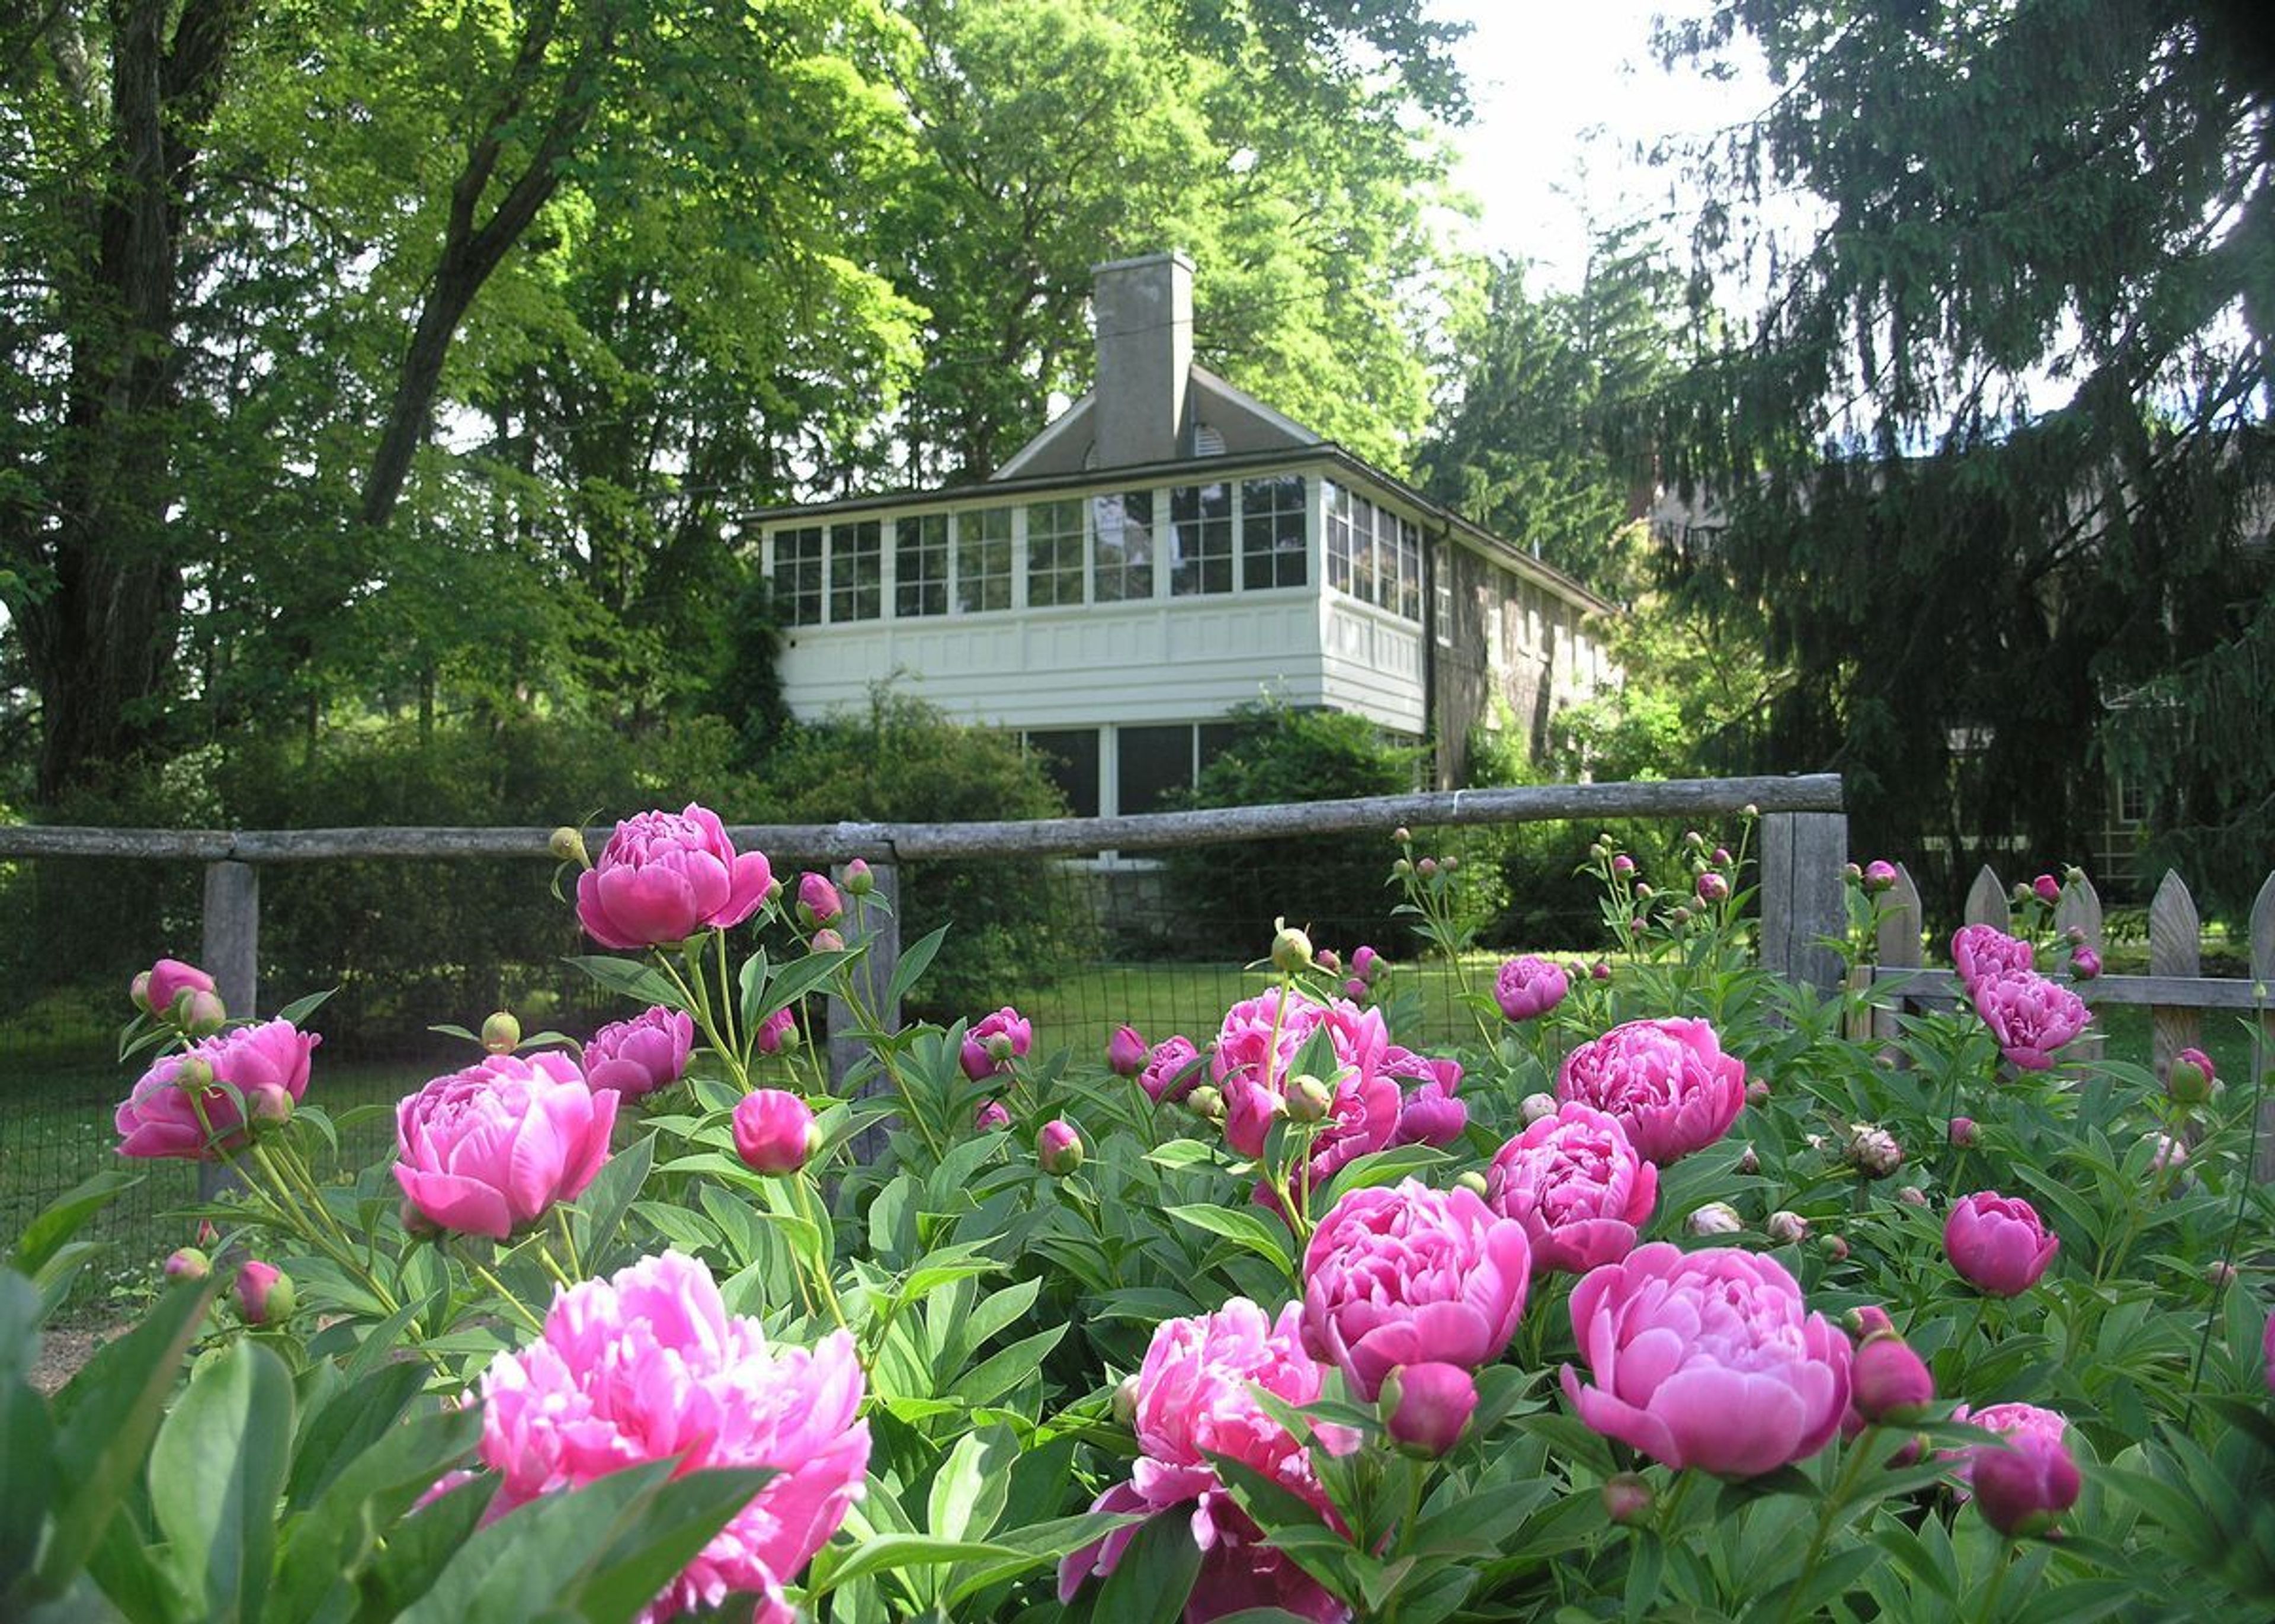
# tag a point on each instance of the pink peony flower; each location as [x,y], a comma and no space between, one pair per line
[777,1031]
[638,1056]
[1709,1359]
[1578,1186]
[2009,1420]
[1429,1405]
[994,1041]
[1669,1083]
[158,989]
[1997,1244]
[1412,1276]
[264,1293]
[990,1117]
[1978,951]
[1529,987]
[2022,1485]
[2030,1016]
[818,902]
[1251,1068]
[489,1149]
[1431,1115]
[648,1365]
[774,1130]
[1126,1053]
[1172,1067]
[664,876]
[160,1118]
[1194,1399]
[1365,962]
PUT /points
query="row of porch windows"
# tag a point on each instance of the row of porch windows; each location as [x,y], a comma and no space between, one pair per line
[1102,549]
[1372,553]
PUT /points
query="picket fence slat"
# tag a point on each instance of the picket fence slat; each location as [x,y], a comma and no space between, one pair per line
[2175,950]
[2263,974]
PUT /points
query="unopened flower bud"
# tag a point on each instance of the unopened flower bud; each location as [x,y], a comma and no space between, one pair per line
[1401,868]
[2022,892]
[1749,1162]
[1356,990]
[1600,970]
[818,902]
[1126,1053]
[1125,1400]
[187,1263]
[1868,1319]
[1749,810]
[1330,961]
[1963,1132]
[1000,1048]
[1623,864]
[2074,935]
[828,941]
[1427,868]
[858,879]
[1474,1182]
[1888,1381]
[2047,888]
[1291,948]
[1712,887]
[567,845]
[1308,1099]
[1427,1406]
[2084,963]
[1873,1151]
[194,1075]
[2022,1483]
[774,1132]
[1450,862]
[1682,916]
[200,1014]
[1715,1217]
[1366,961]
[1833,1247]
[1207,1102]
[2190,1079]
[264,1294]
[1535,1106]
[2220,1275]
[1722,857]
[1879,875]
[990,1116]
[1851,873]
[269,1104]
[1758,1091]
[1058,1148]
[1694,840]
[1628,1499]
[139,990]
[1912,1194]
[1402,835]
[1787,1229]
[501,1033]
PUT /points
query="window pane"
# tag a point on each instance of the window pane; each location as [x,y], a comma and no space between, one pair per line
[1410,568]
[797,575]
[1122,546]
[1337,502]
[1272,532]
[1153,764]
[1366,582]
[921,565]
[1200,540]
[857,570]
[1069,760]
[1055,553]
[983,560]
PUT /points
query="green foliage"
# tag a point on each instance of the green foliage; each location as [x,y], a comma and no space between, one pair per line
[901,761]
[1993,452]
[1230,895]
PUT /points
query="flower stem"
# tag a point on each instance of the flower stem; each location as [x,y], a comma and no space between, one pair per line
[481,1271]
[1833,1504]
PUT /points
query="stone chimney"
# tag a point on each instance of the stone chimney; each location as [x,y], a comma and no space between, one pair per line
[1144,311]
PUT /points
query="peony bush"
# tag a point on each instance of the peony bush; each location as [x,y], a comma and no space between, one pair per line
[1664,1296]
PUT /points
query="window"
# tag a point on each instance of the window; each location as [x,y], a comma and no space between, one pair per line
[983,560]
[1053,553]
[1122,546]
[2132,801]
[1366,560]
[797,575]
[1153,764]
[857,570]
[1200,540]
[1069,760]
[921,565]
[1442,595]
[1272,551]
[1336,504]
[1410,568]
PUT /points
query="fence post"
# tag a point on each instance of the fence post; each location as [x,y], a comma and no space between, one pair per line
[1896,947]
[2262,1051]
[2176,948]
[1987,902]
[231,954]
[881,930]
[1801,895]
[2079,909]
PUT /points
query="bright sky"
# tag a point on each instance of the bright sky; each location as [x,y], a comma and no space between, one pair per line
[1568,99]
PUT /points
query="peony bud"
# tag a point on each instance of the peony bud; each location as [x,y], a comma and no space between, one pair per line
[1749,1162]
[1125,1400]
[828,941]
[1367,963]
[187,1263]
[1426,1407]
[1537,1107]
[1787,1229]
[1330,961]
[1126,1053]
[2023,1483]
[818,902]
[207,1234]
[2047,888]
[1450,862]
[1628,1499]
[990,1116]
[1356,990]
[1402,835]
[264,1294]
[200,1014]
[1600,970]
[2190,1079]
[1712,887]
[1721,858]
[2221,1275]
[1207,1102]
[1887,1381]
[2169,1154]
[2084,963]
[1715,1217]
[1308,1099]
[1749,810]
[1912,1194]
[1834,1247]
[1401,868]
[269,1104]
[1963,1131]
[501,1033]
[1291,950]
[774,1132]
[1623,864]
[1058,1147]
[1427,868]
[858,880]
[1868,1319]
[1879,875]
[1758,1091]
[1873,1151]
[1693,841]
[194,1075]
[1474,1182]
[139,990]
[1001,1047]
[567,845]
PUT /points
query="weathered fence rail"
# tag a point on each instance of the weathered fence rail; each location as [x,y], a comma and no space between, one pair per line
[2176,992]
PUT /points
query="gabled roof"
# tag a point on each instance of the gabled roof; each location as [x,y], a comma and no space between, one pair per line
[1241,422]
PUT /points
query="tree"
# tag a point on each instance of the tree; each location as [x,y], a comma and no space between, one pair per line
[1994,445]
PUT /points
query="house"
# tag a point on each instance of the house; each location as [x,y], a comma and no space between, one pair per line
[1167,550]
